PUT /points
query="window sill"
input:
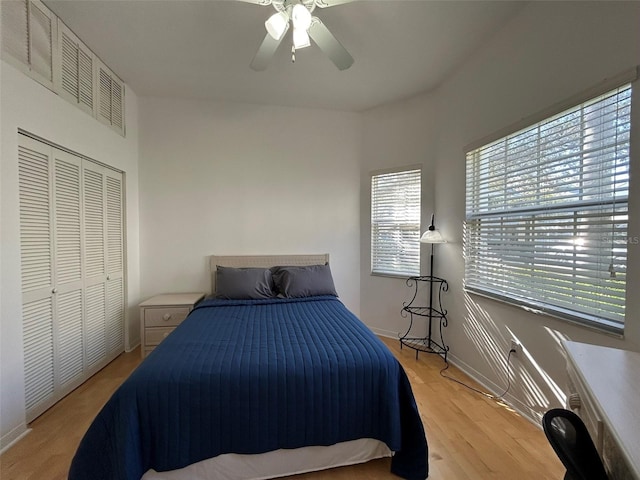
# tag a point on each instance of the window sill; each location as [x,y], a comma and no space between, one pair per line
[599,326]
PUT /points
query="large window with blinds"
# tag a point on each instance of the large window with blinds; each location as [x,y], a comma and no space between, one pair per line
[395,222]
[547,213]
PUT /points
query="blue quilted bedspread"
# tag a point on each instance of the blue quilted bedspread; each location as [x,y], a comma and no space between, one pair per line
[251,377]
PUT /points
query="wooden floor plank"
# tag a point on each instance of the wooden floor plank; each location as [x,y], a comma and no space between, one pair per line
[470,436]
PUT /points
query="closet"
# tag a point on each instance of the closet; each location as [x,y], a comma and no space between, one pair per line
[72,270]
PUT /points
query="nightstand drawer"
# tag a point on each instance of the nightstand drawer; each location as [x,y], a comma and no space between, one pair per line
[161,314]
[154,336]
[163,317]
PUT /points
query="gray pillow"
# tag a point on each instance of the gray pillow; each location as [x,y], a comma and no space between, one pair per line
[305,281]
[244,283]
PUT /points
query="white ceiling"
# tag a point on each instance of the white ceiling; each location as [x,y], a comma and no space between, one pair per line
[202,49]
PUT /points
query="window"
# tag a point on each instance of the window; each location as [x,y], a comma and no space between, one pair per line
[395,222]
[547,214]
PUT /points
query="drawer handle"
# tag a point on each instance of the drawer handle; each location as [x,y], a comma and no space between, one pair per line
[166,316]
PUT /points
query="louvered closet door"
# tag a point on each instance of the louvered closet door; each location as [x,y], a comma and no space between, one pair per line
[93,177]
[68,301]
[115,262]
[72,254]
[36,249]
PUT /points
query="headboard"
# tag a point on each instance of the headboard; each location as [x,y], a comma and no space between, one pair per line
[262,261]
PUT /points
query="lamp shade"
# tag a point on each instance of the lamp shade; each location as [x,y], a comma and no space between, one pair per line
[432,236]
[277,25]
[300,38]
[301,17]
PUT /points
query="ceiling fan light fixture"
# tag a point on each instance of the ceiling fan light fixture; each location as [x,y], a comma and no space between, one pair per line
[300,38]
[277,25]
[301,17]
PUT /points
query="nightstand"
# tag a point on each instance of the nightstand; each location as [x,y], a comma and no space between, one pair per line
[160,315]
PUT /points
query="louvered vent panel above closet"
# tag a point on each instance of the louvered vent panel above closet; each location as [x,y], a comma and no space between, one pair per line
[105,94]
[35,211]
[15,33]
[85,79]
[41,40]
[110,99]
[37,325]
[117,99]
[69,66]
[76,81]
[37,42]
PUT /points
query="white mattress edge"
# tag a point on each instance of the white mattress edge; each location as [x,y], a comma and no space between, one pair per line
[278,463]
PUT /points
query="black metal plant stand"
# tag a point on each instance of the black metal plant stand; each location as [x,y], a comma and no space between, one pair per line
[434,313]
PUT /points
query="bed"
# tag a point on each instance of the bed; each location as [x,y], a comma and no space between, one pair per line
[259,387]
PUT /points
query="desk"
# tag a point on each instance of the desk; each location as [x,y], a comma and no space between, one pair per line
[604,389]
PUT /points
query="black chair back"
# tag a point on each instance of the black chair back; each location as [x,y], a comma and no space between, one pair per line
[571,441]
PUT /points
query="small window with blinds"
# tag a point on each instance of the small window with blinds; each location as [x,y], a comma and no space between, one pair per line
[547,214]
[395,222]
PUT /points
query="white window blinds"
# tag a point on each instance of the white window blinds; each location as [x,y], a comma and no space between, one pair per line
[547,213]
[395,223]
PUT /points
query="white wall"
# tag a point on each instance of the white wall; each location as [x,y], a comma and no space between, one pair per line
[27,105]
[220,178]
[549,52]
[223,178]
[396,135]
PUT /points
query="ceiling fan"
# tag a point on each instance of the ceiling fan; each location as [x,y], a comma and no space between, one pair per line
[305,26]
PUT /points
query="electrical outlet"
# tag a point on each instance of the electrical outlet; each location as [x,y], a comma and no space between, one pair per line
[516,348]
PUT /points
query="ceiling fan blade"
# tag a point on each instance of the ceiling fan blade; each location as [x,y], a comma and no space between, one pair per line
[257,2]
[330,44]
[331,3]
[265,53]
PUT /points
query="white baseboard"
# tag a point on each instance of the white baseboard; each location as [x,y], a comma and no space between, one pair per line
[384,333]
[523,409]
[129,349]
[11,438]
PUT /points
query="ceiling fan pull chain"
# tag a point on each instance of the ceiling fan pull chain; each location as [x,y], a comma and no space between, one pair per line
[293,54]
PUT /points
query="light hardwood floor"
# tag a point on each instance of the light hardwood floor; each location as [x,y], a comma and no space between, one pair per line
[469,436]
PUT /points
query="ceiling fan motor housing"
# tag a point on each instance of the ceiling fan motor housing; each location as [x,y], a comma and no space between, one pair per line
[287,5]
